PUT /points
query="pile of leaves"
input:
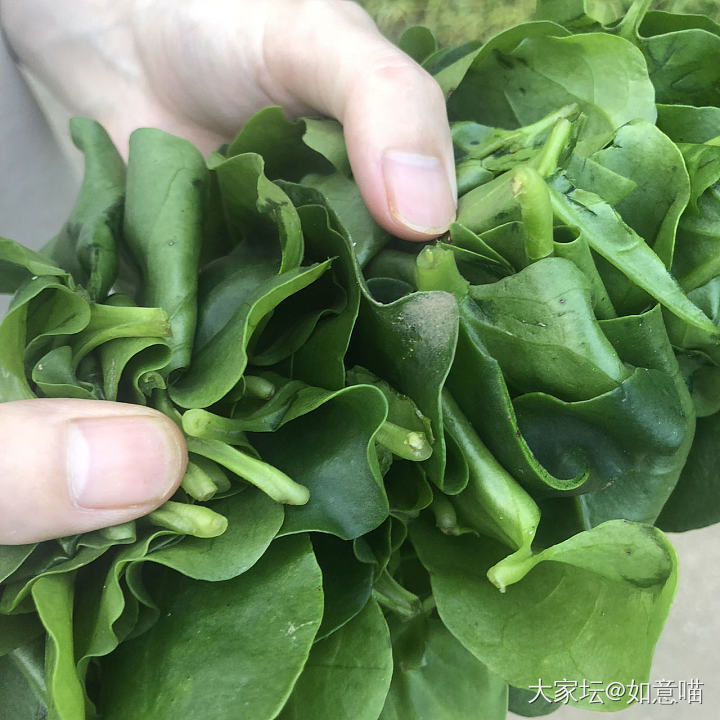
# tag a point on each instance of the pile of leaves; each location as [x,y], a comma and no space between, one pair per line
[421,477]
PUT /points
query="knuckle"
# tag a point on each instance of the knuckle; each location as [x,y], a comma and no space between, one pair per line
[400,70]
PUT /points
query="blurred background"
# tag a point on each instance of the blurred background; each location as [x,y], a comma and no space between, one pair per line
[458,21]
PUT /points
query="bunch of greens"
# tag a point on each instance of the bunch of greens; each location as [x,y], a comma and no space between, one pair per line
[421,477]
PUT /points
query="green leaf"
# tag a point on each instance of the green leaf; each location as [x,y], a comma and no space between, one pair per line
[342,196]
[523,702]
[86,245]
[688,124]
[324,442]
[125,361]
[693,504]
[408,489]
[18,630]
[257,208]
[55,376]
[347,583]
[647,157]
[167,185]
[519,84]
[683,57]
[54,314]
[103,609]
[595,611]
[445,683]
[291,148]
[13,383]
[478,386]
[12,557]
[53,596]
[539,325]
[245,642]
[410,344]
[320,361]
[18,264]
[22,691]
[578,252]
[219,363]
[493,503]
[610,237]
[451,66]
[253,521]
[348,674]
[418,42]
[632,457]
[698,238]
[580,14]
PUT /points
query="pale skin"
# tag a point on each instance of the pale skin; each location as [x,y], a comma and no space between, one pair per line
[199,68]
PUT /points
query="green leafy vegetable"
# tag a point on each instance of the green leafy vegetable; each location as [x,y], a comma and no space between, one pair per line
[420,477]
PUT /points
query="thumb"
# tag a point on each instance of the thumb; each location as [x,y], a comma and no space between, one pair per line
[71,466]
[333,58]
[217,62]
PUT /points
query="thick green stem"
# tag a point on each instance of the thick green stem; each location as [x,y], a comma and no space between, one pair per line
[213,471]
[198,484]
[257,387]
[531,192]
[208,426]
[436,269]
[390,594]
[267,478]
[630,24]
[118,533]
[161,401]
[547,161]
[195,520]
[445,515]
[407,444]
[494,503]
[525,136]
[109,323]
[512,568]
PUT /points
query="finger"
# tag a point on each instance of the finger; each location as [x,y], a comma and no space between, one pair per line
[71,466]
[333,58]
[312,55]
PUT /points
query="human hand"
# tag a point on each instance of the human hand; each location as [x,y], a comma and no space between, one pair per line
[198,70]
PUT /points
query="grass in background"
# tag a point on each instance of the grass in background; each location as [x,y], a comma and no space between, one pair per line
[457,21]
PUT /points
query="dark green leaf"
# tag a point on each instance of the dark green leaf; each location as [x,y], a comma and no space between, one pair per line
[87,243]
[445,683]
[325,443]
[595,611]
[53,596]
[348,674]
[245,641]
[166,190]
[347,583]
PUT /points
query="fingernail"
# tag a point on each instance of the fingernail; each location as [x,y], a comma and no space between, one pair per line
[419,192]
[121,462]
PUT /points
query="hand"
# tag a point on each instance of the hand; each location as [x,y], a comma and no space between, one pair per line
[198,69]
